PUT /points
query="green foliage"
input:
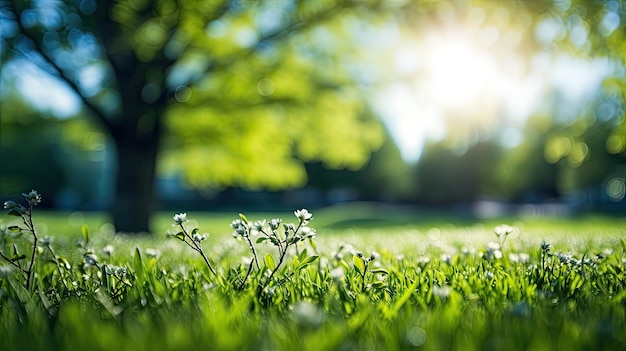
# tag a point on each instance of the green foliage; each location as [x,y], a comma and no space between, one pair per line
[445,175]
[120,293]
[220,93]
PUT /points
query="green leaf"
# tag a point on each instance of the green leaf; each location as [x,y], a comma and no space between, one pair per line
[180,236]
[15,212]
[85,231]
[195,231]
[138,264]
[380,270]
[359,265]
[303,254]
[261,239]
[243,218]
[105,277]
[388,314]
[307,261]
[269,261]
[313,244]
[378,285]
[14,229]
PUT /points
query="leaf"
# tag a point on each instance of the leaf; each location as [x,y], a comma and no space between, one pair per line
[307,261]
[65,263]
[195,231]
[359,265]
[15,212]
[243,218]
[269,261]
[14,229]
[105,277]
[378,285]
[180,236]
[313,244]
[401,301]
[261,239]
[85,231]
[138,264]
[303,254]
[380,270]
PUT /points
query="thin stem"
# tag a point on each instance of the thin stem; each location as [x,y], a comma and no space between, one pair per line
[28,221]
[247,274]
[196,247]
[206,260]
[269,279]
[282,251]
[10,261]
[56,260]
[255,259]
[363,275]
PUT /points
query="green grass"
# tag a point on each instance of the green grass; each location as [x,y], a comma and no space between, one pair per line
[438,284]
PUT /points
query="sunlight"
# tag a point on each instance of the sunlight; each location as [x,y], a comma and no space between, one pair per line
[465,82]
[451,84]
[458,73]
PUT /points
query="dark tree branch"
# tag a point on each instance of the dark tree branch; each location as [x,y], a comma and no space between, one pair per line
[58,70]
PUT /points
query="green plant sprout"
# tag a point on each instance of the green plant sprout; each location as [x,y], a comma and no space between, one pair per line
[290,236]
[26,214]
[361,264]
[192,239]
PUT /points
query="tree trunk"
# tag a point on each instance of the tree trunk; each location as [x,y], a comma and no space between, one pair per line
[134,192]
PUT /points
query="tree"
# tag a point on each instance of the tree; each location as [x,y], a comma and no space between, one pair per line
[238,92]
[18,151]
[452,176]
[386,177]
[594,30]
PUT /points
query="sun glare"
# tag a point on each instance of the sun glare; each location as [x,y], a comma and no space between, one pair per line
[455,85]
[459,74]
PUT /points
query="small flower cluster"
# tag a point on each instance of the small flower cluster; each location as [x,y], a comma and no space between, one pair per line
[493,251]
[240,228]
[33,198]
[290,235]
[361,265]
[115,270]
[303,215]
[569,259]
[371,257]
[192,239]
[503,231]
[180,218]
[199,237]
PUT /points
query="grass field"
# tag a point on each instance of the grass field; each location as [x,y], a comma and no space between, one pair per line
[435,282]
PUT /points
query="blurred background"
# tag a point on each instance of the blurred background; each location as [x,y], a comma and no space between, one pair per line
[482,108]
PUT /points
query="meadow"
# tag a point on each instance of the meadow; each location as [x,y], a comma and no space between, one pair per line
[357,277]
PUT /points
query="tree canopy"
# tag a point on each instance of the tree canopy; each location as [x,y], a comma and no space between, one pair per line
[236,92]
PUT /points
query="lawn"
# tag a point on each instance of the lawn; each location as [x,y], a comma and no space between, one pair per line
[372,278]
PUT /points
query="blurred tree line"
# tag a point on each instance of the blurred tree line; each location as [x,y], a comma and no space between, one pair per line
[269,95]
